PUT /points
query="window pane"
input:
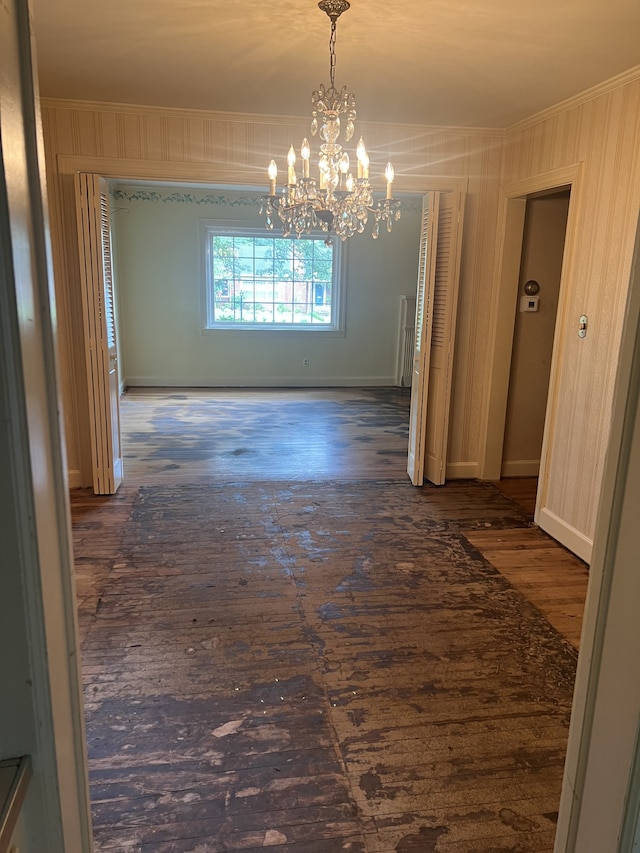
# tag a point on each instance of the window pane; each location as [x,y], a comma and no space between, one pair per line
[264,266]
[322,270]
[243,267]
[300,292]
[263,281]
[264,313]
[263,247]
[222,245]
[244,246]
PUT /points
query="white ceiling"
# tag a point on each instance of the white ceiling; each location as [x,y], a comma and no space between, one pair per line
[483,63]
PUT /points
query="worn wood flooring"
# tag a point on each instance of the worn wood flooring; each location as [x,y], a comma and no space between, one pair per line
[196,435]
[328,660]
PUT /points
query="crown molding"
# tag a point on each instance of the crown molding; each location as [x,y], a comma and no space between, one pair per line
[603,88]
[255,118]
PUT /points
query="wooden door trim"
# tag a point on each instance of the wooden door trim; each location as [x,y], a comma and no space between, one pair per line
[64,238]
[511,206]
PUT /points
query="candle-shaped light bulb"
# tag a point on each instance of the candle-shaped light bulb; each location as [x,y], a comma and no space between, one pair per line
[343,165]
[305,151]
[361,153]
[291,162]
[389,175]
[350,182]
[272,171]
[365,166]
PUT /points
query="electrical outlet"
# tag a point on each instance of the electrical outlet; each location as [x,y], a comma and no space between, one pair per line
[305,362]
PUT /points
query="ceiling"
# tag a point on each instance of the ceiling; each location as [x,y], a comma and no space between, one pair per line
[482,63]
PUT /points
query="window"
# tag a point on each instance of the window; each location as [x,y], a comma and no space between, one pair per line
[255,280]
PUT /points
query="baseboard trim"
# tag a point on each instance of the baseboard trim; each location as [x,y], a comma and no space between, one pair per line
[75,480]
[565,534]
[260,382]
[521,468]
[462,470]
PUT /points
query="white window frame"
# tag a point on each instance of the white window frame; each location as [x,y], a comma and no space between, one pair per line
[209,228]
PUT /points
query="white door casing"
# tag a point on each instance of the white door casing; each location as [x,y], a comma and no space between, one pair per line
[94,245]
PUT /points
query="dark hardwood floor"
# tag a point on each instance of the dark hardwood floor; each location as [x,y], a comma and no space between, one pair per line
[286,645]
[258,434]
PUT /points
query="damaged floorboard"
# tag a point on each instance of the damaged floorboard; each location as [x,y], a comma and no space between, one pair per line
[319,664]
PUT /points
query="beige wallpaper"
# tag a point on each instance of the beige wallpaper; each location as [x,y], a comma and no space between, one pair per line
[600,131]
[134,143]
[602,134]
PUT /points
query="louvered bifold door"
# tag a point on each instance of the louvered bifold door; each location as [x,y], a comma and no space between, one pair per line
[443,331]
[422,342]
[94,244]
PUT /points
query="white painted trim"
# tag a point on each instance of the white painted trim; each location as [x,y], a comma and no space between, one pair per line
[564,533]
[561,331]
[218,174]
[260,382]
[462,470]
[521,468]
[542,181]
[603,88]
[75,480]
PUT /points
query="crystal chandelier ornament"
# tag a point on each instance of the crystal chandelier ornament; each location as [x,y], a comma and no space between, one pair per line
[337,203]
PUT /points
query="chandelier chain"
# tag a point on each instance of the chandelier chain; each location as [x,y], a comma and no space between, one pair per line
[332,54]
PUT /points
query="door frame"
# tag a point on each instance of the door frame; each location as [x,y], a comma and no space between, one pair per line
[64,233]
[511,216]
[47,721]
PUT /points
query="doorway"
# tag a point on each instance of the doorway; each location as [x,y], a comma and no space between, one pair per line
[511,217]
[543,240]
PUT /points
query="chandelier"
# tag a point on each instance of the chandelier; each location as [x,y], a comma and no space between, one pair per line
[337,203]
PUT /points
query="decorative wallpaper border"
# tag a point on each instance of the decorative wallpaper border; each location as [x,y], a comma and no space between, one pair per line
[155,196]
[412,205]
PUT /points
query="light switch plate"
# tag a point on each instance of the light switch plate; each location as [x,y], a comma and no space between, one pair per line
[529,303]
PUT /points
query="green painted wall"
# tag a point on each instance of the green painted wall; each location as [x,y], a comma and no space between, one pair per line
[156,233]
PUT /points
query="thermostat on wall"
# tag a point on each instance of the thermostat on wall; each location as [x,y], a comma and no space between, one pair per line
[529,303]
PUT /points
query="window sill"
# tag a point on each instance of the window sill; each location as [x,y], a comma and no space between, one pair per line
[285,331]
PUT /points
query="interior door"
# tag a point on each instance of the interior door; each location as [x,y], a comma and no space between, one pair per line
[94,243]
[443,332]
[422,346]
